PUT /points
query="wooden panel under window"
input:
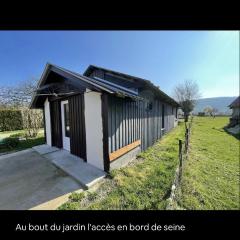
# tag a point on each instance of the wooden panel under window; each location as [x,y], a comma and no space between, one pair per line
[77,126]
[116,154]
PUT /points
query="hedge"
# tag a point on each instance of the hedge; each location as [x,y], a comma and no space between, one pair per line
[10,120]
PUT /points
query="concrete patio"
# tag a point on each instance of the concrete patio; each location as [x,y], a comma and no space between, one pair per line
[42,178]
[84,173]
[30,181]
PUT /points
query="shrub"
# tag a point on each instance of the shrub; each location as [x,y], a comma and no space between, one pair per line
[32,121]
[11,142]
[10,119]
[21,118]
[17,135]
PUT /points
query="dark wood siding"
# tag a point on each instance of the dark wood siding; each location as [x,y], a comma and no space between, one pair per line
[77,126]
[56,126]
[129,121]
[123,122]
[152,121]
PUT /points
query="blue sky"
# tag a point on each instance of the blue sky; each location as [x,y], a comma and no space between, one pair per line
[211,58]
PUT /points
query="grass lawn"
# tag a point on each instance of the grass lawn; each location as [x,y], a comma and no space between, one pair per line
[8,133]
[211,174]
[144,184]
[24,144]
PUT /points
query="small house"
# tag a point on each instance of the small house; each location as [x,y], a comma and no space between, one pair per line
[235,118]
[102,116]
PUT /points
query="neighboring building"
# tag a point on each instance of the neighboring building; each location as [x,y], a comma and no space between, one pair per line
[104,117]
[235,118]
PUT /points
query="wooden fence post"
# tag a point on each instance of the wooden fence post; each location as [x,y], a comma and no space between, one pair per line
[180,158]
[180,151]
[186,140]
[189,132]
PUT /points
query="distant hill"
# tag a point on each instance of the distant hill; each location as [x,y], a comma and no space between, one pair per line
[221,103]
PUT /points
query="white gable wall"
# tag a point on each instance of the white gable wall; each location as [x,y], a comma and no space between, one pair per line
[47,122]
[94,128]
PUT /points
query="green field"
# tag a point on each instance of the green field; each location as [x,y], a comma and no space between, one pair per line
[145,184]
[211,173]
[23,144]
[210,176]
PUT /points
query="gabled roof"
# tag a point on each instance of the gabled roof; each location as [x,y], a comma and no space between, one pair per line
[97,84]
[143,81]
[235,103]
[79,80]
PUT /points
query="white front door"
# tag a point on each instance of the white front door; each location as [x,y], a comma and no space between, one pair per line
[65,125]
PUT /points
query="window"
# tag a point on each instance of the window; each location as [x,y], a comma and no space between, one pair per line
[149,106]
[66,119]
[172,110]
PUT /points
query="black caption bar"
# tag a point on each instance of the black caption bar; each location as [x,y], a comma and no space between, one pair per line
[160,222]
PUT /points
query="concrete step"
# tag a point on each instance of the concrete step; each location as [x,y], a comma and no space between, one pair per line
[44,148]
[84,173]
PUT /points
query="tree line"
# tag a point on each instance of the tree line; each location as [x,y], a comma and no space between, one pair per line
[15,113]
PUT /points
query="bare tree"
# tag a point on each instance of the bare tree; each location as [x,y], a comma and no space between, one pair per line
[215,111]
[211,111]
[26,89]
[186,94]
[208,110]
[32,118]
[19,97]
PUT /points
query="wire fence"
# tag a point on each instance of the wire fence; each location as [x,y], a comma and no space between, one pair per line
[184,147]
[182,155]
